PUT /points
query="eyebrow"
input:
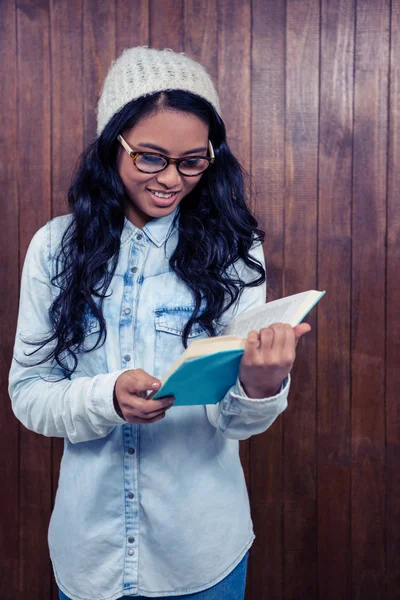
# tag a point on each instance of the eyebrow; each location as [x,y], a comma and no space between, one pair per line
[163,151]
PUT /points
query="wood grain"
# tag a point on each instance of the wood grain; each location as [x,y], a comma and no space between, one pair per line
[132,26]
[265,580]
[200,35]
[234,45]
[368,299]
[66,97]
[99,45]
[301,154]
[34,184]
[9,438]
[334,275]
[393,322]
[166,24]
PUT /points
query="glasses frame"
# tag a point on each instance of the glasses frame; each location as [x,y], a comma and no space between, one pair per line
[175,161]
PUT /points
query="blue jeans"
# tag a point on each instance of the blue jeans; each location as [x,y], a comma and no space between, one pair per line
[230,588]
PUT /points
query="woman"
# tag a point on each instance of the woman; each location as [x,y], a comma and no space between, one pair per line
[159,249]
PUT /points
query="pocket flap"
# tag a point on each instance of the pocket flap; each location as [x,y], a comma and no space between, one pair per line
[173,320]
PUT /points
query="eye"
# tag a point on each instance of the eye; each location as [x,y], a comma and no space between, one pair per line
[193,162]
[151,159]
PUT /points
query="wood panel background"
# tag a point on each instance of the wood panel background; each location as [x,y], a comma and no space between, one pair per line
[310,93]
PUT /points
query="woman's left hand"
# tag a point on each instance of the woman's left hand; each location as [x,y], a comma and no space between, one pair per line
[268,358]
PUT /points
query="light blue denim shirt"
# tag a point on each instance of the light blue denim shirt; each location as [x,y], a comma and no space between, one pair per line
[159,509]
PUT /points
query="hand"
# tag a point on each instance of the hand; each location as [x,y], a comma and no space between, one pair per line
[268,358]
[130,398]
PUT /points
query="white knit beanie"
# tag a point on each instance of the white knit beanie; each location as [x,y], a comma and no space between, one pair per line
[142,71]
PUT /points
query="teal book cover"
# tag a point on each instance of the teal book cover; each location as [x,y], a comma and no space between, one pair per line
[203,380]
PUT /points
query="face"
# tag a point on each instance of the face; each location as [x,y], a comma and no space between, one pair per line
[175,134]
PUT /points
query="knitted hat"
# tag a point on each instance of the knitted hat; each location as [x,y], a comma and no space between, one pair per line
[142,71]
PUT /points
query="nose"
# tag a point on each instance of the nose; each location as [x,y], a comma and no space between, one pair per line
[169,177]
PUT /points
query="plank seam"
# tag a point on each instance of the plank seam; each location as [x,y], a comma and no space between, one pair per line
[385,353]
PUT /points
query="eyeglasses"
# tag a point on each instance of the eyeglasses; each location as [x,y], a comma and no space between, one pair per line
[153,162]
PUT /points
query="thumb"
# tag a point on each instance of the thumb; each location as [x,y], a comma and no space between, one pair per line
[300,330]
[140,382]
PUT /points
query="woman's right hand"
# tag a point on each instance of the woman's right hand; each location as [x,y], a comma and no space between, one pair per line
[130,397]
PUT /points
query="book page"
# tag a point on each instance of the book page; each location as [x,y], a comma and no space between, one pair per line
[291,310]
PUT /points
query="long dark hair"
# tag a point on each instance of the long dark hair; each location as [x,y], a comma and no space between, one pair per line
[215,230]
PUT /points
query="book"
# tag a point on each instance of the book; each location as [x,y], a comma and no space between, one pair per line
[207,369]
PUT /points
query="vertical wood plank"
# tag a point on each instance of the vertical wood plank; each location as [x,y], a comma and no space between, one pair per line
[302,100]
[132,25]
[200,34]
[9,439]
[66,88]
[368,302]
[265,581]
[234,45]
[166,24]
[99,44]
[393,321]
[334,275]
[35,202]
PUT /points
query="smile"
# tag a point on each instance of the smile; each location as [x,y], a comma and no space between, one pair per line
[164,195]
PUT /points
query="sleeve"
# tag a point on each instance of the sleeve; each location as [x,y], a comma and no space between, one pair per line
[237,416]
[80,408]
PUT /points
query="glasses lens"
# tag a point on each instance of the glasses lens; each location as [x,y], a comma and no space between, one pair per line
[150,163]
[193,166]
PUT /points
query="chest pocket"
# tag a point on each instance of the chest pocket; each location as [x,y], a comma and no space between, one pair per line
[169,325]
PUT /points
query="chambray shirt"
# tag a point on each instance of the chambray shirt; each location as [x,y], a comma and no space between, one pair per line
[156,509]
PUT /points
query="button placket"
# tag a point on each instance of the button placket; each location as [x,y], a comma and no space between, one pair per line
[130,434]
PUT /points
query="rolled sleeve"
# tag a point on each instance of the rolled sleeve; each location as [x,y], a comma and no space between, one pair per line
[239,417]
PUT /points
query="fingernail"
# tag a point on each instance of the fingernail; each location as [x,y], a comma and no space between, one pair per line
[155,385]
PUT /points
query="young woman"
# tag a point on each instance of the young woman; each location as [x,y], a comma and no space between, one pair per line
[159,249]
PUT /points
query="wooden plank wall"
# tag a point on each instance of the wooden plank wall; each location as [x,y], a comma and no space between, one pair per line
[310,95]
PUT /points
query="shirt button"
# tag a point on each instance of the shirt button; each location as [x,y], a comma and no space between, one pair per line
[130,495]
[127,357]
[139,236]
[131,552]
[131,450]
[131,540]
[127,311]
[134,269]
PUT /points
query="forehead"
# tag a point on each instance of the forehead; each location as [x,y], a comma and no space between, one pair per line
[175,131]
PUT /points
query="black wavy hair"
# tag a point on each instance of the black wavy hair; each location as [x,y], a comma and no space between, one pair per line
[216,229]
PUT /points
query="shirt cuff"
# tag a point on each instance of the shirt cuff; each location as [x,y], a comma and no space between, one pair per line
[239,393]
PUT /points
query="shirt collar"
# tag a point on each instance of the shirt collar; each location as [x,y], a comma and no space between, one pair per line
[156,230]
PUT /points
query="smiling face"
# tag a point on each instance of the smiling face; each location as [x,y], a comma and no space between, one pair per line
[175,134]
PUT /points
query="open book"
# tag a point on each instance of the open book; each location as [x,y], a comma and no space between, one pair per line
[209,367]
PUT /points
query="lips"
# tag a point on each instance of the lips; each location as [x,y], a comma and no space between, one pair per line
[163,193]
[165,201]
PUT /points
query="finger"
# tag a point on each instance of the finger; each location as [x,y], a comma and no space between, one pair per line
[281,335]
[267,337]
[148,416]
[251,346]
[300,330]
[139,381]
[146,407]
